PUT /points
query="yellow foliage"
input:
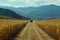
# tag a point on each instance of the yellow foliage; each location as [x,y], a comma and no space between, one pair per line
[52,27]
[9,28]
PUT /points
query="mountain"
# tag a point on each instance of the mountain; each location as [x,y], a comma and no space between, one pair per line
[24,11]
[45,12]
[8,13]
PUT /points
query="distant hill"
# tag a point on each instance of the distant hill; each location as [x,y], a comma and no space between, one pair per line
[45,12]
[10,14]
[24,11]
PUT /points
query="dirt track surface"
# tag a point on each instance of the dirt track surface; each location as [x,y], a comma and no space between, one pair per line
[33,32]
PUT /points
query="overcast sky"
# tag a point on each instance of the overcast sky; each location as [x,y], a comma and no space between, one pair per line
[28,3]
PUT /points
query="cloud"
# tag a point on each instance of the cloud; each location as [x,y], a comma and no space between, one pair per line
[34,2]
[5,4]
[52,2]
[12,0]
[16,0]
[26,3]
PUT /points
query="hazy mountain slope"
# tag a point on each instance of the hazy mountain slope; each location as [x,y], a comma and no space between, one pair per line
[39,13]
[9,13]
[46,12]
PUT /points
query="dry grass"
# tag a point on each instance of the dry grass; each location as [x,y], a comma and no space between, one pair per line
[52,27]
[9,28]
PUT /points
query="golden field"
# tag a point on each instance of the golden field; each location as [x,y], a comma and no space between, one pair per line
[9,28]
[51,27]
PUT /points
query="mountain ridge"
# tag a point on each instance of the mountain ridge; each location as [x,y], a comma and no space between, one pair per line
[9,13]
[40,13]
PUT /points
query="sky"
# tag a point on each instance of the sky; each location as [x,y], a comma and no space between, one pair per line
[28,3]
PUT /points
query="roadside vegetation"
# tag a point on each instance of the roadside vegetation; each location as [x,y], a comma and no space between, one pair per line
[51,27]
[9,28]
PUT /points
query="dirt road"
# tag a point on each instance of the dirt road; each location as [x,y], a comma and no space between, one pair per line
[33,32]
